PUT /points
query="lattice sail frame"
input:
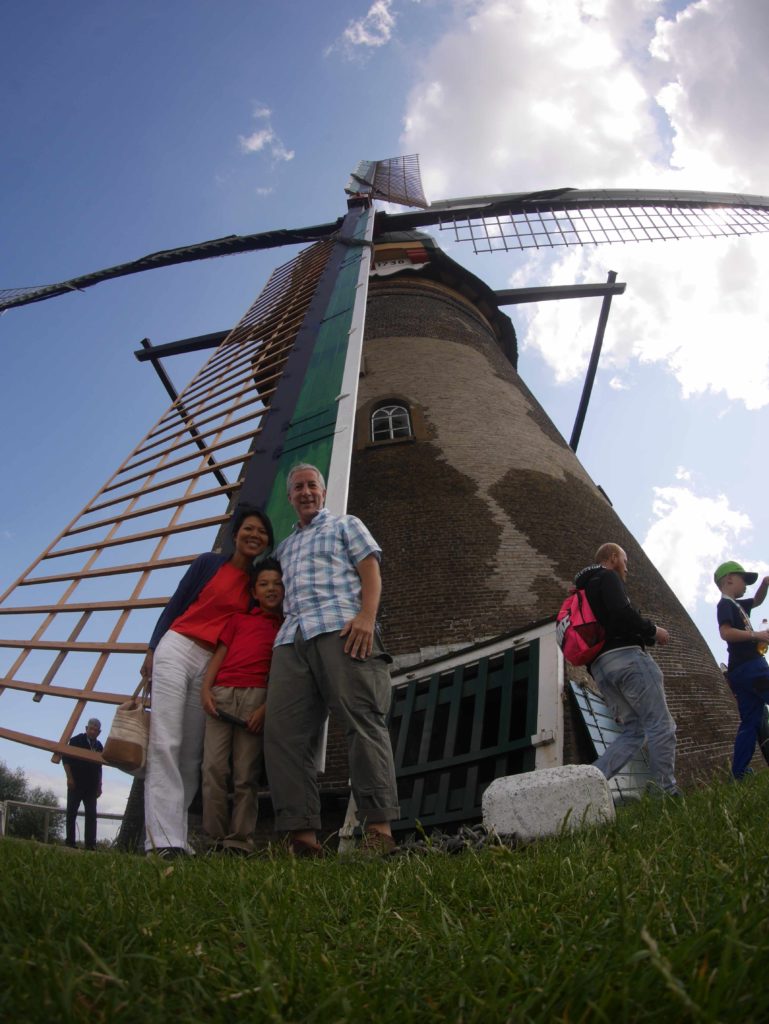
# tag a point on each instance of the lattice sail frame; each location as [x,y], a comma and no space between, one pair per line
[514,220]
[600,219]
[395,180]
[90,621]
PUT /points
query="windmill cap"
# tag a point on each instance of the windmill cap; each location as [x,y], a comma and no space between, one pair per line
[726,567]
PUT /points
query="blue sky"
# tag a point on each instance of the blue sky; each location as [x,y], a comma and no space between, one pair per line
[133,128]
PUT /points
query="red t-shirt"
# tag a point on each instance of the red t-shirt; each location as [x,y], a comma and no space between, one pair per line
[248,639]
[226,592]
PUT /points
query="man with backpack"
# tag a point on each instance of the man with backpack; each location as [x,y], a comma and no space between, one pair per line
[629,679]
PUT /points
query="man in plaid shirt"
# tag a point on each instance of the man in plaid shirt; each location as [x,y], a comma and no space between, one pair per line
[328,656]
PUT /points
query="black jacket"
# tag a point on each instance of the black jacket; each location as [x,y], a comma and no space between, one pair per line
[87,774]
[625,627]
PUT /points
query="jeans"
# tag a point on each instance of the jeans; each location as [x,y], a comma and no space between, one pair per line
[631,684]
[750,685]
[175,747]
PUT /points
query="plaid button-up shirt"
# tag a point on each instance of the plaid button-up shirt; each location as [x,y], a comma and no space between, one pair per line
[322,586]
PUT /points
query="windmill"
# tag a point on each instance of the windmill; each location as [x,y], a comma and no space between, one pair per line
[428,433]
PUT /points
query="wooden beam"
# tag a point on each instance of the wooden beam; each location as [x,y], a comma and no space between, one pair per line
[544,293]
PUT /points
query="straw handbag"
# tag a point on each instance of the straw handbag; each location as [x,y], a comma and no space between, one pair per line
[126,746]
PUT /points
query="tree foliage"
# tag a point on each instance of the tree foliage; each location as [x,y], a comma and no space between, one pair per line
[25,822]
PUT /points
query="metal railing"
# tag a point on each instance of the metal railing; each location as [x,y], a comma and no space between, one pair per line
[5,805]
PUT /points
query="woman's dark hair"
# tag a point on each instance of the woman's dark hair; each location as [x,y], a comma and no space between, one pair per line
[242,512]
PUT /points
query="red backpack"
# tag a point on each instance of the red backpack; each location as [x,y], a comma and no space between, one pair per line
[579,634]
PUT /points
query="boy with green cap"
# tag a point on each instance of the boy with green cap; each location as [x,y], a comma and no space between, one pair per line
[747,671]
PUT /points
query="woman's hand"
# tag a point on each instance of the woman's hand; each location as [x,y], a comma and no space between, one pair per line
[146,668]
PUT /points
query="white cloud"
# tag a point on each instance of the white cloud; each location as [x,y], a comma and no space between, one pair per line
[716,88]
[265,138]
[531,94]
[618,384]
[689,536]
[374,29]
[281,152]
[256,142]
[699,309]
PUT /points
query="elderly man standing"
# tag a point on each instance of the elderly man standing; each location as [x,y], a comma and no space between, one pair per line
[83,784]
[630,680]
[328,657]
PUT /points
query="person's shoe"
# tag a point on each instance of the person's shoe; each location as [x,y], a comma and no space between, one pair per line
[376,844]
[656,792]
[236,851]
[301,848]
[167,852]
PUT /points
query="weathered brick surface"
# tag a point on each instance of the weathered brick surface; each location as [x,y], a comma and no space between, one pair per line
[484,525]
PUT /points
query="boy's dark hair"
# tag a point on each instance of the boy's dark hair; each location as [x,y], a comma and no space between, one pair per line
[242,512]
[265,564]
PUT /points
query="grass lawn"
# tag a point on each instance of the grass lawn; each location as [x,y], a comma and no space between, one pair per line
[660,917]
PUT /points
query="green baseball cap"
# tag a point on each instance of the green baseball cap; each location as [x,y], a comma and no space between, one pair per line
[726,567]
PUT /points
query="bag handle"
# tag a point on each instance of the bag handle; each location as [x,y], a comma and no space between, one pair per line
[142,691]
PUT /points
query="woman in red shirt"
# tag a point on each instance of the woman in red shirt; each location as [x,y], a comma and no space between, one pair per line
[181,646]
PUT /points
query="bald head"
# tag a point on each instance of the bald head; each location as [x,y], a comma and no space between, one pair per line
[612,556]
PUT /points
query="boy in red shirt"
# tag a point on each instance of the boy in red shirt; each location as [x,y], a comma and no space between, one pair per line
[235,684]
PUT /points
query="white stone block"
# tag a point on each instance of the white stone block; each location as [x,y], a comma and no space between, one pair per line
[538,803]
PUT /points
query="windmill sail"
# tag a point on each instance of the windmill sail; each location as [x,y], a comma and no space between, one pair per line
[520,220]
[96,591]
[608,216]
[396,180]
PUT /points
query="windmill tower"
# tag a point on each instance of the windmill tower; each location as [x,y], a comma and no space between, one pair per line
[374,356]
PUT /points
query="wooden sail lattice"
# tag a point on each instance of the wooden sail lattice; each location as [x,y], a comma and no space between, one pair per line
[75,625]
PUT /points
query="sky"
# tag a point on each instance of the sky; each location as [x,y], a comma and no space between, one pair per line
[129,128]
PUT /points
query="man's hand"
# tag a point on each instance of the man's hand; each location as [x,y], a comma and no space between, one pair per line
[662,636]
[360,636]
[70,783]
[146,667]
[208,702]
[255,721]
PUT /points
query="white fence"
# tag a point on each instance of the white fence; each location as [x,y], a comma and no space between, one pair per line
[5,806]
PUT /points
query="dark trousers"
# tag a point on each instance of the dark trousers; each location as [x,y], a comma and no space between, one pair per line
[750,685]
[307,678]
[87,797]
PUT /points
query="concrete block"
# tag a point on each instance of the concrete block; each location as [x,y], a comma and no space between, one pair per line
[538,803]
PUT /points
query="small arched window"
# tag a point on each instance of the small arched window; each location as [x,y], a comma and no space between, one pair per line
[389,422]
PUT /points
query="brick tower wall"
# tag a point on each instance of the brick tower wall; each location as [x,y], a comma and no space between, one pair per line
[486,516]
